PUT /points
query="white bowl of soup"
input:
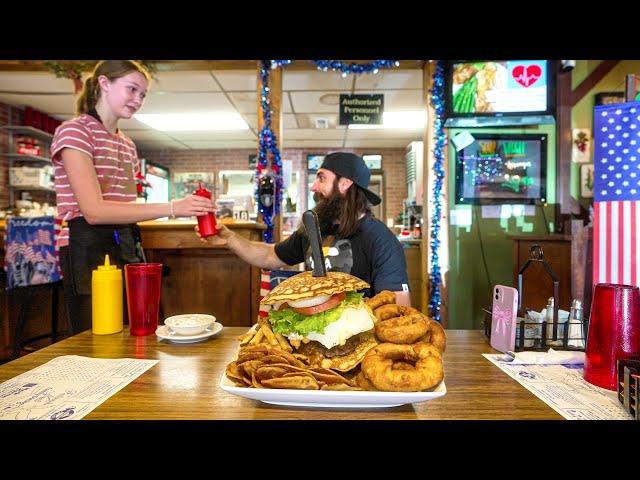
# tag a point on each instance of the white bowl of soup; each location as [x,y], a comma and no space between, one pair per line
[189,323]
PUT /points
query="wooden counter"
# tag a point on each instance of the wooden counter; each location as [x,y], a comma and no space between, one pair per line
[185,383]
[203,278]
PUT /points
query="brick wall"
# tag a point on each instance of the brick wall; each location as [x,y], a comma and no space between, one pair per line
[213,161]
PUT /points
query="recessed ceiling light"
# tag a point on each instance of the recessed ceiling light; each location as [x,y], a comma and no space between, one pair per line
[180,122]
[330,99]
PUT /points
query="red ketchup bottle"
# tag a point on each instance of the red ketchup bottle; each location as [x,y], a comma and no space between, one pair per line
[206,222]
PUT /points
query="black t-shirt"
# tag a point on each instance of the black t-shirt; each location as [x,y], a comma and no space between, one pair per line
[373,254]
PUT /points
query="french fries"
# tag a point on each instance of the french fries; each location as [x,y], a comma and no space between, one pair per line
[261,333]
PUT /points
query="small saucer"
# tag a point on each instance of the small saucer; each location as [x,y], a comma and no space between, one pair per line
[166,333]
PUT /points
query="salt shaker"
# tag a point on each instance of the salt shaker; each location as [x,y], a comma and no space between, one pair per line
[575,316]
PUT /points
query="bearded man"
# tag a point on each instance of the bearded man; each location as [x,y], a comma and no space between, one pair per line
[353,240]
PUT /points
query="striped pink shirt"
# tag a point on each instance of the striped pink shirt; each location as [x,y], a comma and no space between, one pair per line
[114,157]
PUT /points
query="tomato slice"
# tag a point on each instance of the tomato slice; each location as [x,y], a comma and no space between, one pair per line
[334,301]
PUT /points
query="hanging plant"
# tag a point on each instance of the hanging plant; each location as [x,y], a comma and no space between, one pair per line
[73,69]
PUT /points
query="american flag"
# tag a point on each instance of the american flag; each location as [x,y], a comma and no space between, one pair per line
[616,193]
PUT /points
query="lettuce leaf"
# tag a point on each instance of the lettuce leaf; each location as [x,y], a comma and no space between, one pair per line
[286,321]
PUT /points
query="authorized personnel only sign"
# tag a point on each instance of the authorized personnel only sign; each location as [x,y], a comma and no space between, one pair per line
[361,109]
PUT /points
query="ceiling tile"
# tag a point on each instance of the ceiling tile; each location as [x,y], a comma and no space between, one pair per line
[40,82]
[240,80]
[314,133]
[390,79]
[186,102]
[213,135]
[316,80]
[315,143]
[200,81]
[309,102]
[51,104]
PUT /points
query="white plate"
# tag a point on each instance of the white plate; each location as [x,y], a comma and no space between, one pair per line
[165,333]
[331,398]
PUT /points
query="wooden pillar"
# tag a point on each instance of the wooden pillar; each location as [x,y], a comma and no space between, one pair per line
[275,103]
[567,97]
[428,70]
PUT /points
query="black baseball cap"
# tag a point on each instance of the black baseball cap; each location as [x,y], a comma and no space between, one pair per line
[351,166]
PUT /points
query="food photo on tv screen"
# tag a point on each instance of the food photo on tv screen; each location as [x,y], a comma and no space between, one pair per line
[502,168]
[499,92]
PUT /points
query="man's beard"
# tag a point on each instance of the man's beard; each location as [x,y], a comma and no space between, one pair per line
[328,210]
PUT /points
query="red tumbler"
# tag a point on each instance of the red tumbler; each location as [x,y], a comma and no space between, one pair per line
[614,332]
[206,222]
[143,282]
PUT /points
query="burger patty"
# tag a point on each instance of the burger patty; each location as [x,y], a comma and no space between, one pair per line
[338,350]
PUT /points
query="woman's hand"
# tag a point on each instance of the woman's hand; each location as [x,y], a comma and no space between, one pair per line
[193,205]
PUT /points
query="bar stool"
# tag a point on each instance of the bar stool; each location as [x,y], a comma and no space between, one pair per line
[31,264]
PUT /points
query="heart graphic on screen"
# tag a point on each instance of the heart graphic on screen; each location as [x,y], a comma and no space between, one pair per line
[526,76]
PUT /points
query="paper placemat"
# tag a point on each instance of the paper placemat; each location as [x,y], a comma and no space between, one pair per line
[67,387]
[563,389]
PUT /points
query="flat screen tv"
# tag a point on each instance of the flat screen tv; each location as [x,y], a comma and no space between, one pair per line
[314,162]
[499,93]
[502,169]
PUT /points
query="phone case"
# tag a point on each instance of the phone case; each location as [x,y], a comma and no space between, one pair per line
[504,318]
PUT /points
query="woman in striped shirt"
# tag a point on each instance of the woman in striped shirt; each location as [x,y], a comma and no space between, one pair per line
[95,168]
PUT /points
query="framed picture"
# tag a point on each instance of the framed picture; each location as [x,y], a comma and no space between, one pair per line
[373,161]
[607,98]
[185,183]
[586,180]
[581,148]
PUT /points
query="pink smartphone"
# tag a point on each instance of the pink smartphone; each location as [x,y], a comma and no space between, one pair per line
[504,318]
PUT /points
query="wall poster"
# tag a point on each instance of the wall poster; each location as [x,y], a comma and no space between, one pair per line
[185,183]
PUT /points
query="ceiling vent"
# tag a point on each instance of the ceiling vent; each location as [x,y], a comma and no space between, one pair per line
[321,122]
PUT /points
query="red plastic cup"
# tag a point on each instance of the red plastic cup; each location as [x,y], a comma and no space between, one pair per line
[614,332]
[143,282]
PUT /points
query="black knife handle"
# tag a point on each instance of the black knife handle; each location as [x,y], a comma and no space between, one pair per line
[310,220]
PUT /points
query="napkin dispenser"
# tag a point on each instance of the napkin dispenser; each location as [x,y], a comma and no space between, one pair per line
[539,335]
[628,383]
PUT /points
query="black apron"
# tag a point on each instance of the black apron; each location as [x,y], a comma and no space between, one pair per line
[88,245]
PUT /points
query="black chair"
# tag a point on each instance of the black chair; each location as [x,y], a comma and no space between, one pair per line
[19,342]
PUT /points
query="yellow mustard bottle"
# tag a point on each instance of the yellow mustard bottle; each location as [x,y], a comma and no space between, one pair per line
[106,299]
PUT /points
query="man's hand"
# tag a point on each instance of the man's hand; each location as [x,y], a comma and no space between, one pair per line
[220,239]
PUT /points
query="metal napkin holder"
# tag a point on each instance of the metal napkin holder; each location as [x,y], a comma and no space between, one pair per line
[537,256]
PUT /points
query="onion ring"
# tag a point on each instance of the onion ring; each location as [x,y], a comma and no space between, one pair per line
[435,335]
[428,369]
[400,324]
[382,298]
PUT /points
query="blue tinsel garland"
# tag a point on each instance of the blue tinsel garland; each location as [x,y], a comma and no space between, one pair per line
[440,141]
[268,144]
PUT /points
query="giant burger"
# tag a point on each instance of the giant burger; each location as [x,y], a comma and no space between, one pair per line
[327,315]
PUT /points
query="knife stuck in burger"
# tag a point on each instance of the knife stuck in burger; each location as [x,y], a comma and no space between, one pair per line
[323,310]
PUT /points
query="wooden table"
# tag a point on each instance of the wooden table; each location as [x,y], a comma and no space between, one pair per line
[184,384]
